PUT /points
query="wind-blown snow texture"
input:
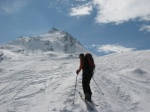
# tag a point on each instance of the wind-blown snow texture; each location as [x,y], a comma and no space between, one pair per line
[34,80]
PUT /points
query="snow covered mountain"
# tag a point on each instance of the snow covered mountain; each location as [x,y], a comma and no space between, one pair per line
[52,43]
[54,40]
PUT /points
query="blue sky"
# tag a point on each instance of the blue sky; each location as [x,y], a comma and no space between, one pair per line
[103,26]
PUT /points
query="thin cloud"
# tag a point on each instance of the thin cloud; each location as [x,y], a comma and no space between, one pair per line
[145,28]
[81,11]
[12,6]
[80,0]
[112,48]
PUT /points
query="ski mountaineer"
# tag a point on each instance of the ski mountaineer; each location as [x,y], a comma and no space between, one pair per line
[87,74]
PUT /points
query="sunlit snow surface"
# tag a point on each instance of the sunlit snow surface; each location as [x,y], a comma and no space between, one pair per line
[45,82]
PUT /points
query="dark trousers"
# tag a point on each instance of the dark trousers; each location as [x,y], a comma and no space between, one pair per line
[86,78]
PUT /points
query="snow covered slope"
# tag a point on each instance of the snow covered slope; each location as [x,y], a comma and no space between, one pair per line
[42,83]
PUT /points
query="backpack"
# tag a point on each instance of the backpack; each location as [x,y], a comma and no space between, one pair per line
[89,62]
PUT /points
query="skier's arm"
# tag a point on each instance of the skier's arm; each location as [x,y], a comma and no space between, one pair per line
[81,66]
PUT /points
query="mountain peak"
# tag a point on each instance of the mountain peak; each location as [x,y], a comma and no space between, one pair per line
[53,30]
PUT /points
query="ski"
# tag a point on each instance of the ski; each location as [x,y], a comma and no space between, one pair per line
[86,102]
[94,103]
[81,95]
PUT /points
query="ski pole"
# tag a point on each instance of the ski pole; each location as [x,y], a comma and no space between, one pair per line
[98,86]
[75,90]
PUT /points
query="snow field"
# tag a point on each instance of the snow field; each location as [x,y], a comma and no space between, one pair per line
[46,83]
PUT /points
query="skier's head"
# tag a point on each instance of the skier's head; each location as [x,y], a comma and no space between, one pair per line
[81,55]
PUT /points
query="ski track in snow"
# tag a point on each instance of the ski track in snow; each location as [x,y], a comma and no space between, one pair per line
[48,85]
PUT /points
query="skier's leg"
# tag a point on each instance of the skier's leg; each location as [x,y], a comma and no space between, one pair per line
[86,86]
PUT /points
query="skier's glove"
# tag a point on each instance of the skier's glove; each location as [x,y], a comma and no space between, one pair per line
[77,72]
